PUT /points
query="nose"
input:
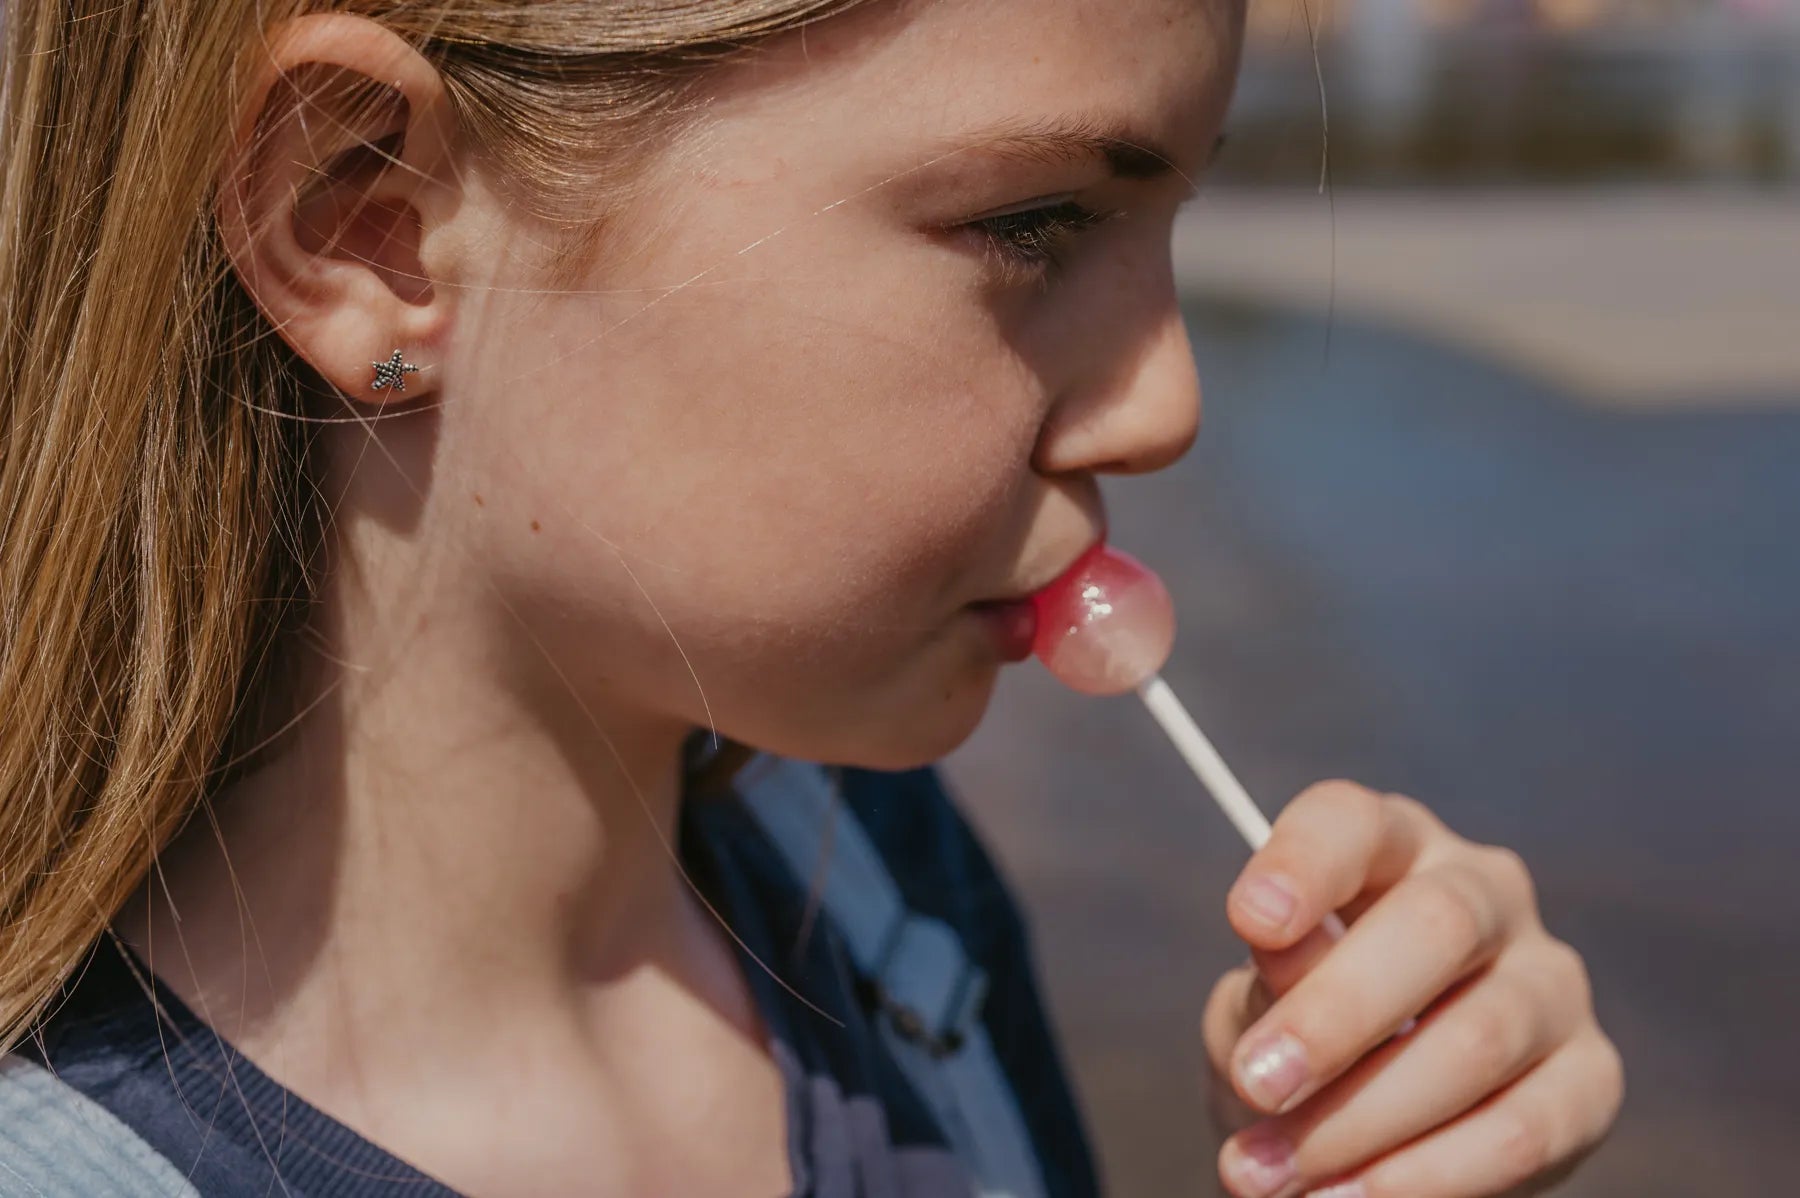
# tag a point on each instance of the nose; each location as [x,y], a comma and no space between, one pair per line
[1139,413]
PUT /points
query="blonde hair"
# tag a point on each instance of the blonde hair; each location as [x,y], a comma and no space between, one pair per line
[162,528]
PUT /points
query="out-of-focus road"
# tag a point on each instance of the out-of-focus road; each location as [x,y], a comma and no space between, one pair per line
[1623,298]
[1571,629]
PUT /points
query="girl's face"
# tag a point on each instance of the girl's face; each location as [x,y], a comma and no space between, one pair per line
[848,369]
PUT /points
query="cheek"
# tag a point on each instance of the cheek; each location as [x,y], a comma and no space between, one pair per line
[844,449]
[801,495]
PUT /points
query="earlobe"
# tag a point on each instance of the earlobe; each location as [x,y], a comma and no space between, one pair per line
[340,168]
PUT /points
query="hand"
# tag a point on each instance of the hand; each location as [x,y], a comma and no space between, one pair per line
[1505,1082]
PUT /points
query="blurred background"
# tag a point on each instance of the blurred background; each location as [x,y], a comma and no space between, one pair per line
[1492,505]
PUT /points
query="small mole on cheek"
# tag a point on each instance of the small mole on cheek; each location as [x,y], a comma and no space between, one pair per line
[536,527]
[479,502]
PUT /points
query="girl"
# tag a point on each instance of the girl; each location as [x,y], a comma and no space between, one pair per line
[428,421]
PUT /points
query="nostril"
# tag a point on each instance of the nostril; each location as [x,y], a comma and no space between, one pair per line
[1114,443]
[1156,454]
[1140,417]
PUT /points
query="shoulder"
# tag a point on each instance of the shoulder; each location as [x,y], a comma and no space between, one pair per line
[55,1142]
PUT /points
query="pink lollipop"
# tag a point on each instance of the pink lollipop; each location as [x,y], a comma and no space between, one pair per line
[1105,625]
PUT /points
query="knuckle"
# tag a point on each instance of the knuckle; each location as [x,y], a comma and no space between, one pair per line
[1612,1079]
[1409,806]
[1363,802]
[1521,1145]
[1447,914]
[1489,1042]
[1512,875]
[1328,788]
[1335,794]
[1570,973]
[1405,808]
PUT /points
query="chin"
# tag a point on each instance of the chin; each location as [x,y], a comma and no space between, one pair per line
[916,733]
[900,730]
[880,719]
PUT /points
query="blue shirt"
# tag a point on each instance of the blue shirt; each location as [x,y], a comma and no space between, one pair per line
[855,1127]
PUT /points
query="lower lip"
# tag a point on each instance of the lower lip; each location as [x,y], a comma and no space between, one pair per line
[1012,626]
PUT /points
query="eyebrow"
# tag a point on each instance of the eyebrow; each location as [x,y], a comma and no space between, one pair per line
[1127,154]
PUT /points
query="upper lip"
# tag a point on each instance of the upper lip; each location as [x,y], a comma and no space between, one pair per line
[1021,596]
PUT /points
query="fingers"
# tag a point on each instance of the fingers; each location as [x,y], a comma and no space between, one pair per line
[1328,845]
[1423,935]
[1546,1119]
[1481,1037]
[1504,1080]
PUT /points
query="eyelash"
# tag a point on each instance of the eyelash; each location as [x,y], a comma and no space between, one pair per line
[1031,243]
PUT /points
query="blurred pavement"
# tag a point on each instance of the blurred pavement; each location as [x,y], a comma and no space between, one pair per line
[1626,297]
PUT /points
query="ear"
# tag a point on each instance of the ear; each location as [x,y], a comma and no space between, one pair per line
[340,168]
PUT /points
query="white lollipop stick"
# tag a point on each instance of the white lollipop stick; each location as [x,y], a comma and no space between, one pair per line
[1214,774]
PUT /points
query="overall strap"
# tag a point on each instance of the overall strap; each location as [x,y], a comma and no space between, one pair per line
[928,990]
[56,1142]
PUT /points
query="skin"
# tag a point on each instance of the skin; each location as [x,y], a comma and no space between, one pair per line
[753,471]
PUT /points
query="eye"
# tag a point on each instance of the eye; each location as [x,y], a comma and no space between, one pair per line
[1034,239]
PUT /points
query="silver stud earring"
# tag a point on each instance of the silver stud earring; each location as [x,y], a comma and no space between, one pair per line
[392,373]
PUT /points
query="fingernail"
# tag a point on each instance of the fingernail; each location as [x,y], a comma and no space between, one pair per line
[1343,1189]
[1259,1162]
[1268,900]
[1273,1069]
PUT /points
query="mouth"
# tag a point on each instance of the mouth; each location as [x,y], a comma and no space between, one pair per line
[1012,620]
[1011,623]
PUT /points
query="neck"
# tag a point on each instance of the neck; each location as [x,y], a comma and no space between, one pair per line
[427,853]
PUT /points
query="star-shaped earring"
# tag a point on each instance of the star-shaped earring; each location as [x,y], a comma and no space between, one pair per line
[392,373]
